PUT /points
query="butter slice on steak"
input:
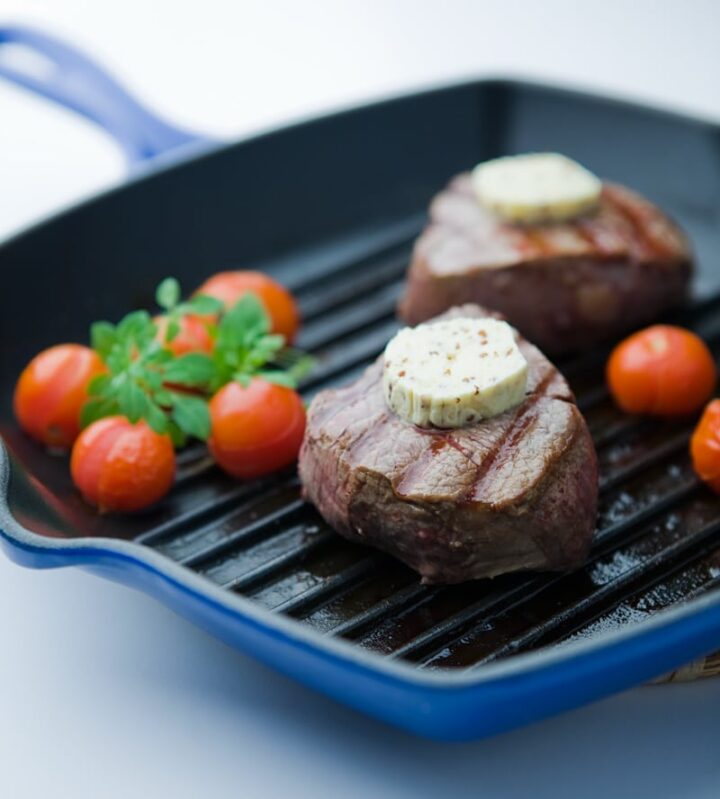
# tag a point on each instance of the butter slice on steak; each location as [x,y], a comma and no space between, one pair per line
[516,491]
[565,285]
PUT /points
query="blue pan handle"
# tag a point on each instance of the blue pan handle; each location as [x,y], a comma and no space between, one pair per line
[72,79]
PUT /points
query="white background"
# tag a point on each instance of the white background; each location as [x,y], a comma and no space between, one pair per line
[104,693]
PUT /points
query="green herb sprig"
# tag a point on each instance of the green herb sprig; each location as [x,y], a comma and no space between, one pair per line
[147,381]
[245,348]
[168,297]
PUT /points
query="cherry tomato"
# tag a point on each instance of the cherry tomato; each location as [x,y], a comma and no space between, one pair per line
[255,430]
[120,466]
[52,390]
[193,335]
[661,371]
[229,287]
[705,446]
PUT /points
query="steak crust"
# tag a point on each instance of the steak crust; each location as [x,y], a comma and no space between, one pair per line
[565,286]
[517,491]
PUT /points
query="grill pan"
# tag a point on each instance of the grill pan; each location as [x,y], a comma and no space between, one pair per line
[331,208]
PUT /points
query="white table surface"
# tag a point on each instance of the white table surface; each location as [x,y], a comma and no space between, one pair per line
[103,692]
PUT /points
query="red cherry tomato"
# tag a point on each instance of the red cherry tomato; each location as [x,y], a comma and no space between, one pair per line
[255,430]
[120,466]
[52,390]
[193,335]
[229,287]
[705,446]
[662,371]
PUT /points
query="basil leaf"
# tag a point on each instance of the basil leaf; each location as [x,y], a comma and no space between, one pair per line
[133,401]
[270,343]
[157,357]
[156,418]
[146,337]
[173,328]
[163,398]
[265,349]
[191,415]
[134,325]
[279,378]
[95,409]
[99,384]
[243,378]
[178,438]
[193,369]
[245,321]
[118,360]
[204,305]
[302,367]
[167,294]
[102,338]
[152,381]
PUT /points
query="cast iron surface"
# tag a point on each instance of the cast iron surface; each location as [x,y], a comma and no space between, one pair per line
[331,207]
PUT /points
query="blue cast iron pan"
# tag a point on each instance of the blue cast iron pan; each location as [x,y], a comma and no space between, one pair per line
[310,203]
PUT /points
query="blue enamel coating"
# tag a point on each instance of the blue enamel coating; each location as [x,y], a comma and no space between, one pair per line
[71,79]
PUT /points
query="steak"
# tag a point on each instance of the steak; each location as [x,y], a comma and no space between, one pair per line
[516,491]
[565,286]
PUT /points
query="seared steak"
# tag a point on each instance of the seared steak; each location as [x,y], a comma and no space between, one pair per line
[517,491]
[566,286]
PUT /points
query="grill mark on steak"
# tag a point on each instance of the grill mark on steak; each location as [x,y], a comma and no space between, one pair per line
[642,242]
[548,378]
[525,415]
[539,244]
[511,436]
[440,439]
[598,240]
[368,435]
